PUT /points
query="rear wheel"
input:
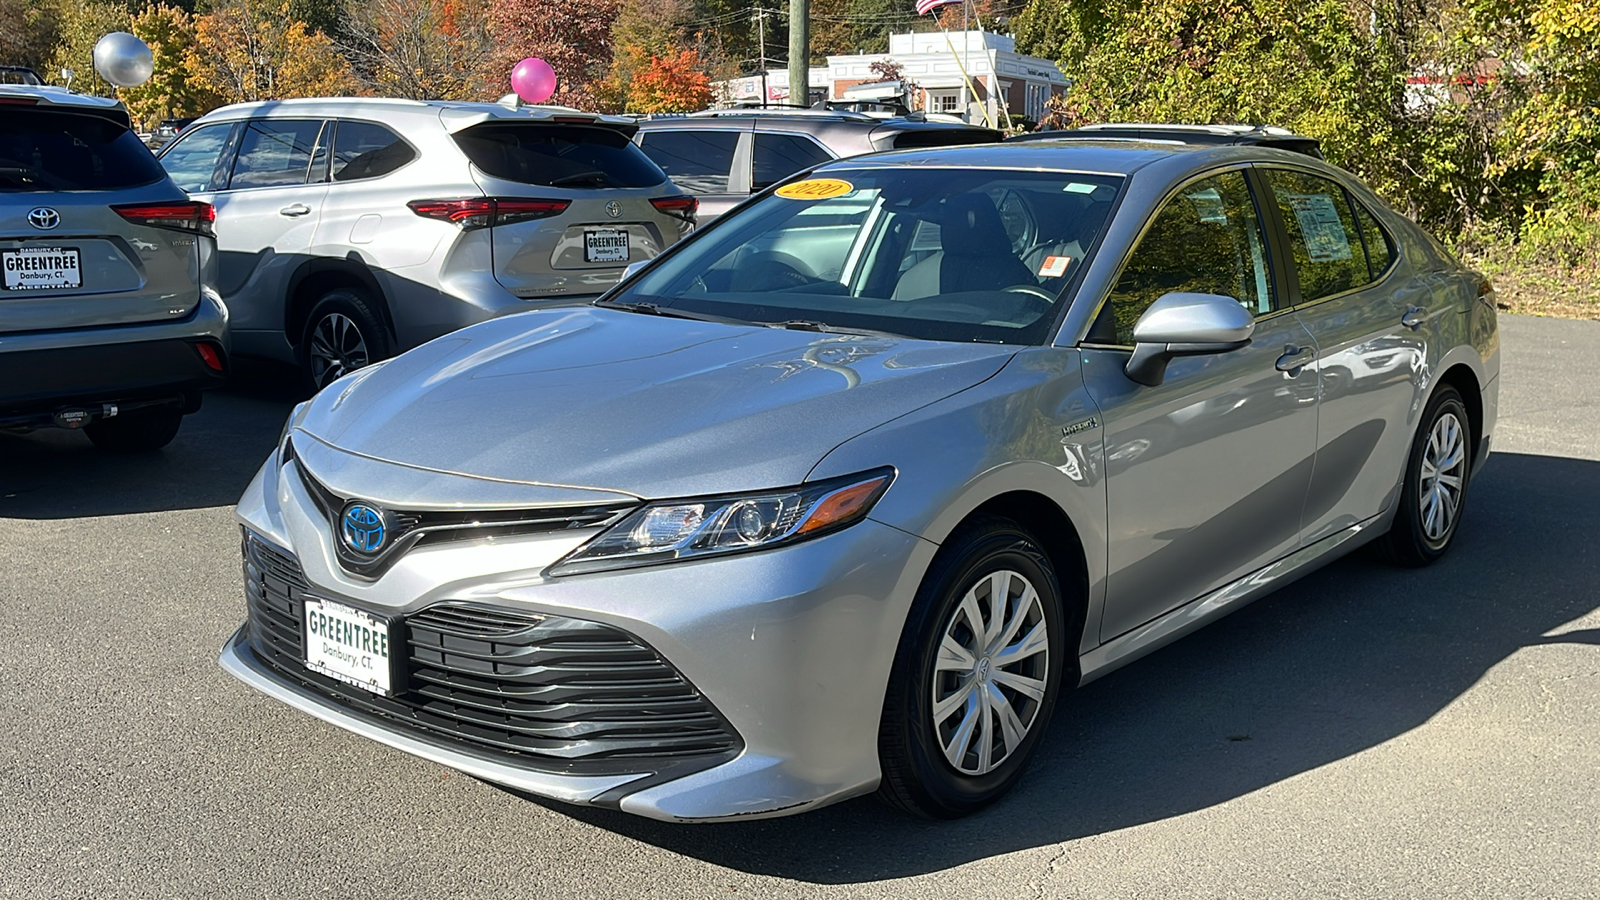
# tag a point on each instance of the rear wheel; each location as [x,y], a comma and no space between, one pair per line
[344,333]
[976,676]
[138,431]
[1434,493]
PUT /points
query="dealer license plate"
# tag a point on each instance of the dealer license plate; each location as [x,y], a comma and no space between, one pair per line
[609,245]
[345,643]
[41,268]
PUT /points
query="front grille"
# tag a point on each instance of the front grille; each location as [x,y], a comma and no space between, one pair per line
[556,693]
[412,528]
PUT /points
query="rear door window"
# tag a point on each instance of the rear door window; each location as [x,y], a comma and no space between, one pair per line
[568,156]
[194,159]
[697,161]
[276,153]
[777,156]
[1380,249]
[1323,237]
[45,150]
[367,150]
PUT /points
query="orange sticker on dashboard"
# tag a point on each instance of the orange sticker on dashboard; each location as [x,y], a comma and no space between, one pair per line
[815,189]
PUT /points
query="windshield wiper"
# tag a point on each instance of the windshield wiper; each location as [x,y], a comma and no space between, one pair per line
[594,177]
[651,309]
[825,328]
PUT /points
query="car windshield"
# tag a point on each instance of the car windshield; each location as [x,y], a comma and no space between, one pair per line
[934,253]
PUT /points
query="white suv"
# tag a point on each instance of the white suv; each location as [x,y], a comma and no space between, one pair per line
[352,228]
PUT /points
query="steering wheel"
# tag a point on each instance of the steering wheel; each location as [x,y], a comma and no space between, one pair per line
[1036,292]
[771,270]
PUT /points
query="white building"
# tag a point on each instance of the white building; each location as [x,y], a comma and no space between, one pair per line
[974,74]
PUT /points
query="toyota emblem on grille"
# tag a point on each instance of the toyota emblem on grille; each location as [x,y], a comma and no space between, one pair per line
[363,528]
[614,209]
[43,218]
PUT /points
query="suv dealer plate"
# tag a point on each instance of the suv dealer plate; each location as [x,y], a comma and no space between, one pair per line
[610,245]
[345,643]
[41,268]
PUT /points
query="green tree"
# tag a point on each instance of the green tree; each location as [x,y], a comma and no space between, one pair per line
[79,28]
[172,90]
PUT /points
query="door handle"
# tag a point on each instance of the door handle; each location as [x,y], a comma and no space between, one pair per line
[1414,317]
[1294,359]
[295,210]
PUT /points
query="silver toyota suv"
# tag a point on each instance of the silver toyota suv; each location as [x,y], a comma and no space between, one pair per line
[353,228]
[107,319]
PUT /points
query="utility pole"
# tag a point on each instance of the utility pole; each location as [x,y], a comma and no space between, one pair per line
[760,15]
[800,52]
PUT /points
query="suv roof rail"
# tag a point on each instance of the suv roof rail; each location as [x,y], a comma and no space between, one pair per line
[803,111]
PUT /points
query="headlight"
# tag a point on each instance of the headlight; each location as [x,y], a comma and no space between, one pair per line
[687,529]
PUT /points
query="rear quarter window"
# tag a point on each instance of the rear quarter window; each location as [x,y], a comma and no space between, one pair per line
[940,137]
[570,156]
[45,150]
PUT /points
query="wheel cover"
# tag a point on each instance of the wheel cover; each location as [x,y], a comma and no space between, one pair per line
[989,677]
[337,348]
[1443,476]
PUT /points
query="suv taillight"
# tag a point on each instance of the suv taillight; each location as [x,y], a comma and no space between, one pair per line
[481,212]
[194,216]
[682,207]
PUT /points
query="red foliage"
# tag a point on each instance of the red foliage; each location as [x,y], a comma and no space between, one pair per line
[573,36]
[670,84]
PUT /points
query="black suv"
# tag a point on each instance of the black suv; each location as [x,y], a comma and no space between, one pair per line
[725,155]
[1211,135]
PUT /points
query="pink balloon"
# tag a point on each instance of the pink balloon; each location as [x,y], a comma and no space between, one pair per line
[533,80]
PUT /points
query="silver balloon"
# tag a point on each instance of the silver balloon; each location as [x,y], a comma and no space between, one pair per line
[123,59]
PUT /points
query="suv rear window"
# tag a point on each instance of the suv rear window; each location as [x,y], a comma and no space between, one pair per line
[45,150]
[572,156]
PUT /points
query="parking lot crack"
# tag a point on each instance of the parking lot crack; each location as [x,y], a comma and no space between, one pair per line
[1049,872]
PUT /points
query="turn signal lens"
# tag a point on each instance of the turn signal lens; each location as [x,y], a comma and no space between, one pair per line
[688,529]
[484,212]
[192,216]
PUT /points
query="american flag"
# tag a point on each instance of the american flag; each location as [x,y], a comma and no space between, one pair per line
[927,6]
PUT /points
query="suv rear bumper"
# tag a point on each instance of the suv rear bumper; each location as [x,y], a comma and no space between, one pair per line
[43,372]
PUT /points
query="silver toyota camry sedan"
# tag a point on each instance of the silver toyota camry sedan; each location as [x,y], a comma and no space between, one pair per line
[843,493]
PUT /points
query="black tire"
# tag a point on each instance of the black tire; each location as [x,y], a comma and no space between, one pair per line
[1413,539]
[918,776]
[343,333]
[139,431]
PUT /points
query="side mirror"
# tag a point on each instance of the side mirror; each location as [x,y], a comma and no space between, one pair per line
[1184,324]
[633,269]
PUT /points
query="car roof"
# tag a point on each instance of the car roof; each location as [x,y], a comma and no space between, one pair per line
[45,96]
[456,114]
[1106,157]
[1257,135]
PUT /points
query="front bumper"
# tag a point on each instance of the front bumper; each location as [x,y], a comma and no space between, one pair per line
[791,647]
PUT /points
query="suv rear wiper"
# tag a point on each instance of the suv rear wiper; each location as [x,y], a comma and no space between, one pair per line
[593,177]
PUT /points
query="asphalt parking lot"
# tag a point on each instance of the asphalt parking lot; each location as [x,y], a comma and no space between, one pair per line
[1366,732]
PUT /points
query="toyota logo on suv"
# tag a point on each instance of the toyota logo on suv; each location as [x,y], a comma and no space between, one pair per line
[44,218]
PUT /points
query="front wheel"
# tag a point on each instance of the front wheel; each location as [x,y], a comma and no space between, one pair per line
[1434,492]
[976,675]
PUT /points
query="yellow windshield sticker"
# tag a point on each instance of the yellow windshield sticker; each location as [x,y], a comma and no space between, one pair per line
[815,189]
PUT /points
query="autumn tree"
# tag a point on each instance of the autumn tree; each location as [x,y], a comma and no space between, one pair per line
[420,49]
[172,90]
[644,29]
[252,50]
[79,28]
[670,84]
[28,33]
[573,36]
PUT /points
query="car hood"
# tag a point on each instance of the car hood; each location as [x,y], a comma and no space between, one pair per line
[583,399]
